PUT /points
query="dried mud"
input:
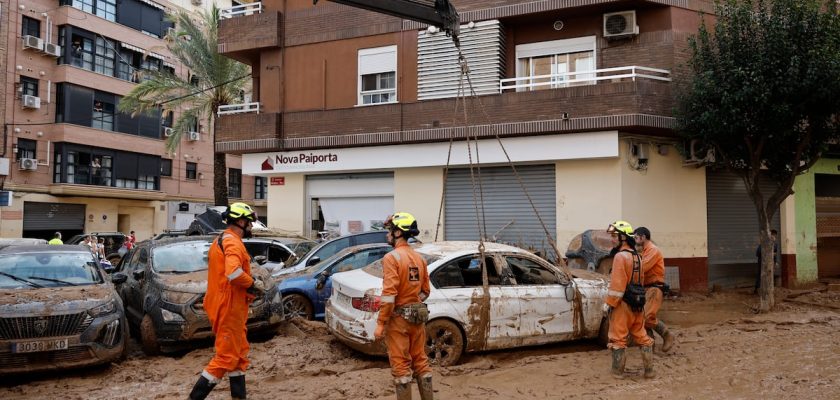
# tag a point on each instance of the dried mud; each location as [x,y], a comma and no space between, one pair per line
[724,350]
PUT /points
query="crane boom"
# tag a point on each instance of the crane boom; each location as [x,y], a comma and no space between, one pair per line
[442,14]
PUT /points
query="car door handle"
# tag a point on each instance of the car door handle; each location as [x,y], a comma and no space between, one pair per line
[460,297]
[527,297]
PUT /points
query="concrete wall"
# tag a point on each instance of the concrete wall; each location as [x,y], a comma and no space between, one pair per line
[418,191]
[287,208]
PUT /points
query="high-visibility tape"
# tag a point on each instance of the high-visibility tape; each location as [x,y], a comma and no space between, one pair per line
[387,299]
[615,293]
[235,274]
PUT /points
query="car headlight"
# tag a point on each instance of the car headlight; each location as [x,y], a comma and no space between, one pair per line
[103,309]
[176,297]
[170,317]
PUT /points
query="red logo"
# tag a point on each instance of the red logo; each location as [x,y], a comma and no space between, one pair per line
[268,164]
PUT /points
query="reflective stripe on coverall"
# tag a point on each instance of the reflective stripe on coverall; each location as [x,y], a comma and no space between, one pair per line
[623,320]
[653,270]
[226,303]
[405,278]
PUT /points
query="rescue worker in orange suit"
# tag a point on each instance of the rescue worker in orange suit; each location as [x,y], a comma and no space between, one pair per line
[230,290]
[653,269]
[405,287]
[626,315]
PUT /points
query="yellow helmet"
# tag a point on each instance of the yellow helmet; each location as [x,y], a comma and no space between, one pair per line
[239,210]
[404,222]
[621,227]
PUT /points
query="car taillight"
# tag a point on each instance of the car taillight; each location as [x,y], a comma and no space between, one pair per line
[367,303]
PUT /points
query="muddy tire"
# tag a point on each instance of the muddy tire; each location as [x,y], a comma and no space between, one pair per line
[444,342]
[296,305]
[148,336]
[114,259]
[604,332]
[125,339]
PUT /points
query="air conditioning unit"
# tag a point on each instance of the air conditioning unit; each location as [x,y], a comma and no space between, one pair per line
[31,101]
[167,132]
[29,164]
[194,136]
[620,24]
[33,42]
[52,49]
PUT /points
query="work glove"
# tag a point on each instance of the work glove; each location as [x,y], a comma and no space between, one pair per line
[607,309]
[380,332]
[257,288]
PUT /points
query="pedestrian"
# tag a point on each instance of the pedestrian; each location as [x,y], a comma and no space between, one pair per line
[403,315]
[626,300]
[100,248]
[773,235]
[132,238]
[230,290]
[56,239]
[653,269]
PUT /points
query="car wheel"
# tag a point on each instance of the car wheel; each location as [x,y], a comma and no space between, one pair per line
[148,336]
[114,259]
[444,342]
[604,332]
[295,305]
[125,339]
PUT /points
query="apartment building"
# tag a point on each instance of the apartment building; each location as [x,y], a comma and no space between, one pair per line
[74,163]
[353,113]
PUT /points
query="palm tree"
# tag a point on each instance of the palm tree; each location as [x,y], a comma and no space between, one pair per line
[220,81]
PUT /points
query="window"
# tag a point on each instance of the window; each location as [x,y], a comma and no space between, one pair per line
[278,254]
[105,59]
[465,272]
[378,75]
[528,272]
[192,170]
[103,115]
[149,64]
[82,52]
[259,187]
[106,9]
[147,182]
[29,86]
[165,167]
[358,260]
[235,183]
[127,67]
[31,27]
[84,5]
[26,148]
[552,64]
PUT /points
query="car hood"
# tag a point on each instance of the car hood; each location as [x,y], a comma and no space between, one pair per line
[59,300]
[289,272]
[196,282]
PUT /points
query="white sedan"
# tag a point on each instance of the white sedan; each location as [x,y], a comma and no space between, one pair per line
[527,302]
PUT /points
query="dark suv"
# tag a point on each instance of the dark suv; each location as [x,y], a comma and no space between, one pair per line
[113,242]
[165,282]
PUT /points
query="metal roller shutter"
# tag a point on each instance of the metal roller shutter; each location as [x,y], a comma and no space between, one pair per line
[508,214]
[53,216]
[732,219]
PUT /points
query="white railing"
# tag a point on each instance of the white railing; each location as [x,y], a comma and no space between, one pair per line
[589,77]
[240,10]
[239,108]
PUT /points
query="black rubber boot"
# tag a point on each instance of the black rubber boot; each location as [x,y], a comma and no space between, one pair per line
[201,389]
[667,336]
[237,387]
[619,358]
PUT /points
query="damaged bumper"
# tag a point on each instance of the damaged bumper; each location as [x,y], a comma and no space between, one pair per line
[356,334]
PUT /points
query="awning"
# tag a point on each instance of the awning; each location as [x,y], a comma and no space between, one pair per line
[153,4]
[170,65]
[156,55]
[133,48]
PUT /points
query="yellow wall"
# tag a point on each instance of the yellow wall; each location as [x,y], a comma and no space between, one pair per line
[418,191]
[586,197]
[668,199]
[287,209]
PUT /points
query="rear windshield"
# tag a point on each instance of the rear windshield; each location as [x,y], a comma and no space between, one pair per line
[48,269]
[181,257]
[375,268]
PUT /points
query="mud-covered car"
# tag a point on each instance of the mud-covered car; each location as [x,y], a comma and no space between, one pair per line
[527,302]
[163,292]
[113,242]
[57,310]
[330,248]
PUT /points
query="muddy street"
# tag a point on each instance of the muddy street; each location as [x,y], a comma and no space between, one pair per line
[723,351]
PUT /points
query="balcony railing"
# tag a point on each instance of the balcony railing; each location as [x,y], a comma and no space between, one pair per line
[578,78]
[240,10]
[239,108]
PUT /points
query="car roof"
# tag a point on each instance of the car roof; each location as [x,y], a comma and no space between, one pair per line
[177,239]
[45,248]
[450,248]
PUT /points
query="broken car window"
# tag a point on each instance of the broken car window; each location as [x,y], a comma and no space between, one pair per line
[528,272]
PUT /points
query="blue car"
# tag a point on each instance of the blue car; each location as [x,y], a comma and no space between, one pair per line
[305,293]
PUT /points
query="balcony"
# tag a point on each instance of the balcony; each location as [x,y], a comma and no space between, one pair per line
[591,77]
[246,29]
[230,109]
[240,131]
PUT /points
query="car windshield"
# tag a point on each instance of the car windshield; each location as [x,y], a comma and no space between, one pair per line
[375,268]
[328,261]
[181,257]
[48,269]
[302,248]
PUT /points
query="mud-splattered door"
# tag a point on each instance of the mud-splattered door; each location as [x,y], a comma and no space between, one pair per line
[545,313]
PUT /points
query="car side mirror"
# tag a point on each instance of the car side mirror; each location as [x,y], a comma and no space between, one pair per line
[260,260]
[314,260]
[570,290]
[138,275]
[119,278]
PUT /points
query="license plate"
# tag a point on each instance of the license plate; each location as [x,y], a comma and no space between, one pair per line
[34,346]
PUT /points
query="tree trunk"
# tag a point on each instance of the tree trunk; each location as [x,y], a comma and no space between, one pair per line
[767,289]
[220,188]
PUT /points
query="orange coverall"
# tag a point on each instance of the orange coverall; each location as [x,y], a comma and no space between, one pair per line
[623,320]
[226,304]
[405,278]
[653,270]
